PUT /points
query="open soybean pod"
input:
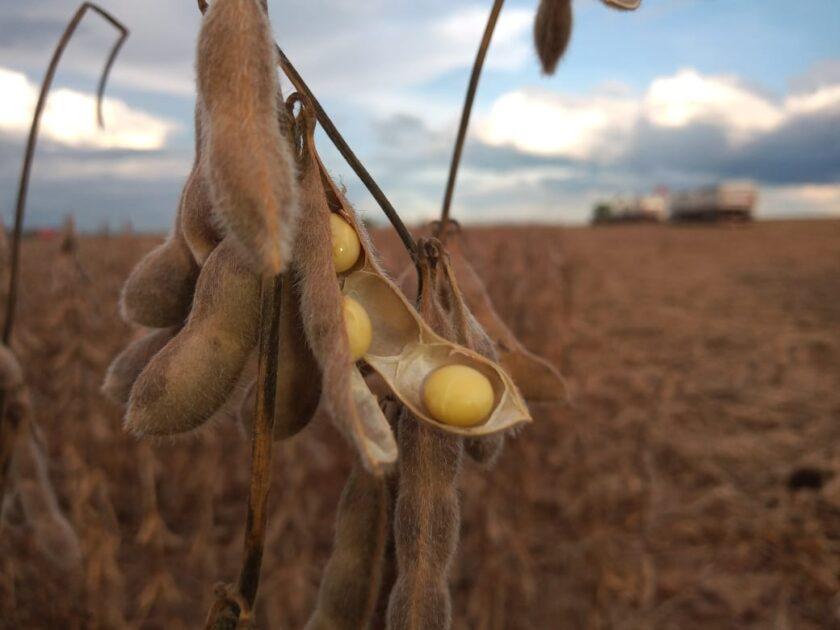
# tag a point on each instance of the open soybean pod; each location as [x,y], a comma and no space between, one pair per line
[345,397]
[404,350]
[537,379]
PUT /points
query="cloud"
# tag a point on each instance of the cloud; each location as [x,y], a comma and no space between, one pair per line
[685,125]
[542,123]
[69,118]
[688,98]
[806,200]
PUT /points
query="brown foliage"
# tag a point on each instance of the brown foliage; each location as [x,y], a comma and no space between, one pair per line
[702,365]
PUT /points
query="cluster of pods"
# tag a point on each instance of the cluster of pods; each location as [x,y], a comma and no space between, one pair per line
[412,385]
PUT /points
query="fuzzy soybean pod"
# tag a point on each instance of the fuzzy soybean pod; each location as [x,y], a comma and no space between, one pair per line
[552,31]
[469,332]
[321,306]
[298,374]
[159,291]
[428,515]
[352,579]
[127,366]
[537,379]
[197,371]
[249,163]
[197,221]
[454,317]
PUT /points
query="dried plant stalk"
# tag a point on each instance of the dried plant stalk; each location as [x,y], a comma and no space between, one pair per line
[232,608]
[249,164]
[298,375]
[9,433]
[552,31]
[466,112]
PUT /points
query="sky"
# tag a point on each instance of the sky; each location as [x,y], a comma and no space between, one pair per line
[680,93]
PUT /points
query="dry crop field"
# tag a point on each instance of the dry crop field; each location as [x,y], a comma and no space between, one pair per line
[692,482]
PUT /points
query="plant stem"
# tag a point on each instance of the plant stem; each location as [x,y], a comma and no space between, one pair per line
[7,435]
[230,607]
[33,138]
[348,154]
[263,439]
[465,117]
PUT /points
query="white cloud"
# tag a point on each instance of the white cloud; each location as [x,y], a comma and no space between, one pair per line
[548,124]
[599,126]
[820,100]
[461,32]
[809,199]
[69,118]
[688,97]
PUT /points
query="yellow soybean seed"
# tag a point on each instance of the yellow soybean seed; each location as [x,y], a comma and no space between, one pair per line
[345,243]
[458,395]
[359,329]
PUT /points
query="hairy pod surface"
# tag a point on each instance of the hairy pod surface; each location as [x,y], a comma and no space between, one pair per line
[321,307]
[404,348]
[537,379]
[197,219]
[195,373]
[127,366]
[249,162]
[552,31]
[428,515]
[298,374]
[350,586]
[467,329]
[159,291]
[33,491]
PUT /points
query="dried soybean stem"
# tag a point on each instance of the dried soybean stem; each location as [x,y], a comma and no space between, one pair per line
[241,602]
[341,144]
[33,138]
[23,187]
[465,116]
[249,577]
[345,150]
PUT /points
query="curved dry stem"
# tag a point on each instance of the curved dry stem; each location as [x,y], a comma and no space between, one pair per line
[33,138]
[472,88]
[6,441]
